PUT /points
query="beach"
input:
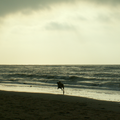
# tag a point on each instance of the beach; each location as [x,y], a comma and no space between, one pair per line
[41,106]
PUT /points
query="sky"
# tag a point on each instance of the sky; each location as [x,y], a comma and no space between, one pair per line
[59,32]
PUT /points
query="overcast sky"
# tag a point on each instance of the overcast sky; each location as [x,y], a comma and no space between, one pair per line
[59,31]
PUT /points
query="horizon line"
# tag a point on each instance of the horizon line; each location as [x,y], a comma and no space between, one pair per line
[66,64]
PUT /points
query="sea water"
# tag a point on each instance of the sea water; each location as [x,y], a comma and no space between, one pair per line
[100,82]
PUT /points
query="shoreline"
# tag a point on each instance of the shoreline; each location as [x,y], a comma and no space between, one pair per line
[32,106]
[103,95]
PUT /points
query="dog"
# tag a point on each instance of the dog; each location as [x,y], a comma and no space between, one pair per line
[61,86]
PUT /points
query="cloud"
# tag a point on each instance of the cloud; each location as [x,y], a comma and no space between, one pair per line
[59,26]
[104,18]
[12,6]
[106,2]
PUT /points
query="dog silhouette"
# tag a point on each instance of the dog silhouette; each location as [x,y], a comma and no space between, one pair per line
[61,86]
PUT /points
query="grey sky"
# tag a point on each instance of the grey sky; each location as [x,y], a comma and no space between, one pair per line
[59,31]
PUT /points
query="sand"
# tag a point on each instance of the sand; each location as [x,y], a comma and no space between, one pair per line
[39,106]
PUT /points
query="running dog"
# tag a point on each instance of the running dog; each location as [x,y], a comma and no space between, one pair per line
[61,86]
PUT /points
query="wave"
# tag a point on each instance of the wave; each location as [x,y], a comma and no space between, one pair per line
[107,75]
[46,76]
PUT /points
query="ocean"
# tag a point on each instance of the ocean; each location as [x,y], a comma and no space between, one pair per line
[101,82]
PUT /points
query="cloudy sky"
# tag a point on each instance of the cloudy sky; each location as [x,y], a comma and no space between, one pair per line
[59,31]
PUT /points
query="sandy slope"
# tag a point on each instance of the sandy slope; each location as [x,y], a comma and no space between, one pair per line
[39,106]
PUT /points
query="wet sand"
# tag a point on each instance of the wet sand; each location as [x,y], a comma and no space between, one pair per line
[40,106]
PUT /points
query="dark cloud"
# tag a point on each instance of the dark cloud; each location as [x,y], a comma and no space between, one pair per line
[12,6]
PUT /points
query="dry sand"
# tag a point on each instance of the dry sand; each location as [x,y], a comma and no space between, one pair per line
[38,106]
